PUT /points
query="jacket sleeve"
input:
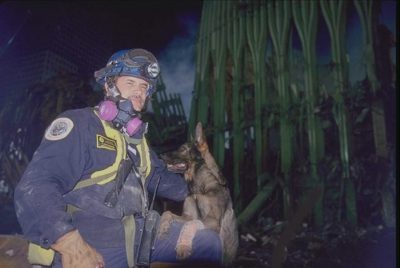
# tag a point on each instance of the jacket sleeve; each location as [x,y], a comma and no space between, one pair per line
[55,168]
[171,186]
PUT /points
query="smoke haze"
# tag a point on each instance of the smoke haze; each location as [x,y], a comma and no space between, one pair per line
[177,61]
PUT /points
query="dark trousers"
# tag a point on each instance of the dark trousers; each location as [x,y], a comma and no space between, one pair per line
[206,249]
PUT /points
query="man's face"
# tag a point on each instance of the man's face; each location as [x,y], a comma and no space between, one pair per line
[134,89]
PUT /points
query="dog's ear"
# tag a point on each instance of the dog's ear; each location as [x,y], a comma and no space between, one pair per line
[198,131]
[199,135]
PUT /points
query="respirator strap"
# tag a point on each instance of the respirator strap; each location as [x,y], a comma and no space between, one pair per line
[112,88]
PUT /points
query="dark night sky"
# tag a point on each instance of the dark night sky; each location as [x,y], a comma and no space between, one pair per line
[151,24]
[156,23]
[167,28]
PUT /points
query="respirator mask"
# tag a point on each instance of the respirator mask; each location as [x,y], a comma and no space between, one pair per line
[121,114]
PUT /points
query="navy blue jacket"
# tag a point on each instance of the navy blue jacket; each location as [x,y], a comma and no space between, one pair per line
[66,156]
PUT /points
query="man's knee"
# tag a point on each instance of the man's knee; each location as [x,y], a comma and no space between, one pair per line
[206,246]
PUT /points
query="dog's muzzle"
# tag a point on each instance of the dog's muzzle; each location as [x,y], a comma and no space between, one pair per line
[177,168]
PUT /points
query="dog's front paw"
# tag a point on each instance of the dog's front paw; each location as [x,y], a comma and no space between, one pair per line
[185,239]
[165,223]
[183,251]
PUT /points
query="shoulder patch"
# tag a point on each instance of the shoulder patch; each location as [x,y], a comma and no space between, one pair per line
[59,129]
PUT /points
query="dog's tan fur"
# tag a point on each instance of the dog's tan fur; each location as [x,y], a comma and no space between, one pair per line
[209,204]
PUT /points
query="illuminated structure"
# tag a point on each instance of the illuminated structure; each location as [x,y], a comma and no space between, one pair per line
[246,94]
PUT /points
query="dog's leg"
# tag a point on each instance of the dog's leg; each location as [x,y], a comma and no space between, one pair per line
[210,211]
[165,222]
[189,213]
[185,240]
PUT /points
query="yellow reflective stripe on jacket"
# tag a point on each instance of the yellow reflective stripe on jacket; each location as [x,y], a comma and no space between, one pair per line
[108,174]
[39,255]
[121,154]
[143,148]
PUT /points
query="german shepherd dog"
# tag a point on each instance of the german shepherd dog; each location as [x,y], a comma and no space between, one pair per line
[208,204]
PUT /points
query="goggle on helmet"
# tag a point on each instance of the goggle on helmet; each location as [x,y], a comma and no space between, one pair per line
[138,63]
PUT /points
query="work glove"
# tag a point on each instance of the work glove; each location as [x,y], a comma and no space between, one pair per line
[76,253]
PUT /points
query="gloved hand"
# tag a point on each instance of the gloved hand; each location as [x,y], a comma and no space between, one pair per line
[76,253]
